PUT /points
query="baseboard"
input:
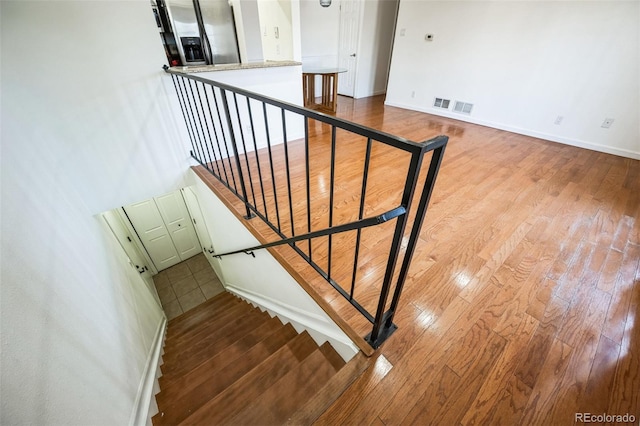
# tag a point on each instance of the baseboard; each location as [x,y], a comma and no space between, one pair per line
[317,326]
[145,404]
[534,134]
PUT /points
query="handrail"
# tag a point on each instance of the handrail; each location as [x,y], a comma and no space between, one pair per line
[227,143]
[351,226]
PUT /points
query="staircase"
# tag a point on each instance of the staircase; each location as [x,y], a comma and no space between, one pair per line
[226,362]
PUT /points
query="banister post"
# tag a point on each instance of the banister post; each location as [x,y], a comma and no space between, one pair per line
[434,166]
[380,330]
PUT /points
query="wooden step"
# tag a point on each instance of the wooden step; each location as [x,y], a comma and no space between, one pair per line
[250,386]
[212,327]
[192,321]
[283,398]
[210,367]
[222,299]
[194,354]
[308,412]
[200,385]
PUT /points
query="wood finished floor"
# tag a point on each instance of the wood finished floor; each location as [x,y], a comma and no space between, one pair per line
[521,302]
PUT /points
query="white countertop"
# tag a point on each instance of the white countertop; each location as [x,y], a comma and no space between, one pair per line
[231,67]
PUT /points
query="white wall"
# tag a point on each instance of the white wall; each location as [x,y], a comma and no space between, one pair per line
[277,29]
[523,64]
[374,51]
[248,30]
[262,280]
[320,32]
[86,126]
[281,83]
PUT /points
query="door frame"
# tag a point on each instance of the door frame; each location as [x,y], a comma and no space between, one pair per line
[136,239]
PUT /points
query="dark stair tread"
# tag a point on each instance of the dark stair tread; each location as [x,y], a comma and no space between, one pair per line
[176,406]
[212,329]
[309,412]
[210,325]
[215,365]
[193,322]
[282,399]
[219,299]
[249,387]
[332,356]
[197,353]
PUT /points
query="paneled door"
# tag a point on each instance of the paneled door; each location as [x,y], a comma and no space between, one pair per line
[165,229]
[348,45]
[176,217]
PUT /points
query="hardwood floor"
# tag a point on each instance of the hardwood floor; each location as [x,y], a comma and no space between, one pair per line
[522,299]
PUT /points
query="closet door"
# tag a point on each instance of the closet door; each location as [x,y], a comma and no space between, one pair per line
[148,224]
[165,229]
[178,222]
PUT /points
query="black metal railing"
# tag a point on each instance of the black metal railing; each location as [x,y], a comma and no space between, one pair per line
[272,156]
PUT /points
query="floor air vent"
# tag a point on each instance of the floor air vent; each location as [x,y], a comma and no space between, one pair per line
[441,103]
[463,107]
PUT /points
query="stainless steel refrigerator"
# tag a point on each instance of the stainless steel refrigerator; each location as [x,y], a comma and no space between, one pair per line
[205,31]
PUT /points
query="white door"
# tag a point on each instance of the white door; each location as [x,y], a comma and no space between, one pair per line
[348,45]
[153,233]
[176,217]
[193,206]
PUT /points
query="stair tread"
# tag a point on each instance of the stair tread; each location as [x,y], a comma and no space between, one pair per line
[332,356]
[199,386]
[250,386]
[196,353]
[318,404]
[283,398]
[215,365]
[212,328]
[210,325]
[213,311]
[223,298]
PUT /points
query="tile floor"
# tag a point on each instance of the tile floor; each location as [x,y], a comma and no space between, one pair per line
[186,285]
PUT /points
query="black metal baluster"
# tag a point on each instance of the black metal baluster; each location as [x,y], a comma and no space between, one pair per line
[365,176]
[286,162]
[234,145]
[331,189]
[255,147]
[184,116]
[203,161]
[192,124]
[273,176]
[215,134]
[206,124]
[306,160]
[246,155]
[224,141]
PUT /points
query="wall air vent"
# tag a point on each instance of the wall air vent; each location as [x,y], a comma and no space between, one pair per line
[463,107]
[441,103]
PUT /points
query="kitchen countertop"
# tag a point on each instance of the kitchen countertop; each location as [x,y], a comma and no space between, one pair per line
[231,67]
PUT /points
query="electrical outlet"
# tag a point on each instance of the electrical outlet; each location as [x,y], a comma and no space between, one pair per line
[607,123]
[558,120]
[403,32]
[413,94]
